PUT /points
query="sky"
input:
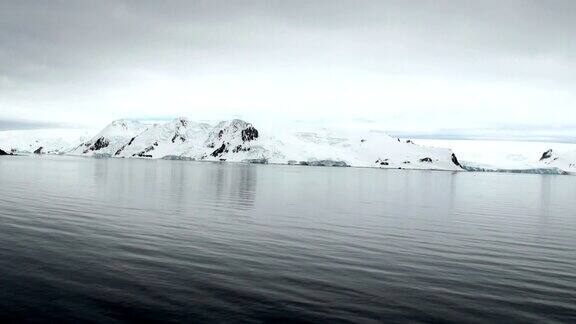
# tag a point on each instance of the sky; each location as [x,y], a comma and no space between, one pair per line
[429,68]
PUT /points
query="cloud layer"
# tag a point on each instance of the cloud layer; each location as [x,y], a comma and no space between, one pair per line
[418,66]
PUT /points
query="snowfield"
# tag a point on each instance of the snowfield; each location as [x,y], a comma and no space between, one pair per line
[49,141]
[239,141]
[563,160]
[510,155]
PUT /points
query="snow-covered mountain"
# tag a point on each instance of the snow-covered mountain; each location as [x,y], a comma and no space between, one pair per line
[239,141]
[562,160]
[174,138]
[110,139]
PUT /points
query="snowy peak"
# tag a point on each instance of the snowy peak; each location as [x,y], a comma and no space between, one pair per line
[240,141]
[231,136]
[121,127]
[112,138]
[173,138]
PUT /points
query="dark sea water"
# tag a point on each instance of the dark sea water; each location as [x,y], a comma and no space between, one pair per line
[130,240]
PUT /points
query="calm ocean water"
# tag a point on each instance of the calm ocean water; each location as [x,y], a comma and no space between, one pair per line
[131,240]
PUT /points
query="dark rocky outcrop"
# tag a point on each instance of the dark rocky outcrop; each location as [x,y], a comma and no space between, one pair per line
[546,155]
[120,150]
[249,134]
[426,159]
[146,150]
[124,146]
[2,152]
[176,136]
[38,150]
[455,160]
[382,162]
[219,150]
[100,143]
[240,148]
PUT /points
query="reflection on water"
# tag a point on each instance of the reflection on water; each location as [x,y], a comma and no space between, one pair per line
[112,239]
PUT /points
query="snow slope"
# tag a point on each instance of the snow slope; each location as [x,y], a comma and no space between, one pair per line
[172,138]
[51,141]
[563,160]
[364,149]
[110,139]
[239,141]
[509,155]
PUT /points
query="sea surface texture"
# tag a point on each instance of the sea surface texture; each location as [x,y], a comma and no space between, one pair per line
[113,240]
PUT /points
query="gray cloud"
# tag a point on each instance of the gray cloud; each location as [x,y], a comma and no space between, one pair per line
[43,40]
[11,124]
[66,56]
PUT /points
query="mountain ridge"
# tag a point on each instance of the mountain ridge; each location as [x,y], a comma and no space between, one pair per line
[237,140]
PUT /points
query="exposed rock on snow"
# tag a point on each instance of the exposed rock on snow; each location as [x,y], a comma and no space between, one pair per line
[174,138]
[2,152]
[111,139]
[511,156]
[239,141]
[546,155]
[455,160]
[563,160]
[52,141]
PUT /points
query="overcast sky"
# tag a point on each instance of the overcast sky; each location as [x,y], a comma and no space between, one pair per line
[435,67]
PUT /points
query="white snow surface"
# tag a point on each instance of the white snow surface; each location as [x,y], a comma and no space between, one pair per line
[509,155]
[52,141]
[563,160]
[110,139]
[239,141]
